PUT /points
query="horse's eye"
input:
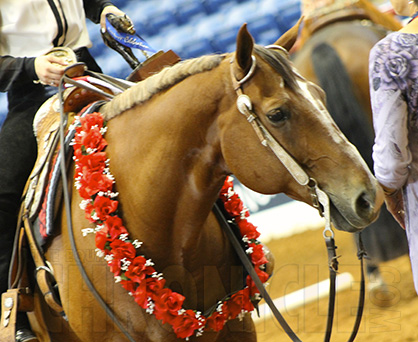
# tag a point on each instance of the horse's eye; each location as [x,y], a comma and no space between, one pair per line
[278,115]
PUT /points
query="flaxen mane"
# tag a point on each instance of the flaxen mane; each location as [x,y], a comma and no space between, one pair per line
[169,76]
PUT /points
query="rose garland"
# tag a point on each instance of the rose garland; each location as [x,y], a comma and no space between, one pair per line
[136,273]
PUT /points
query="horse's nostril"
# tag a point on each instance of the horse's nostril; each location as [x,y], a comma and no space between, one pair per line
[363,204]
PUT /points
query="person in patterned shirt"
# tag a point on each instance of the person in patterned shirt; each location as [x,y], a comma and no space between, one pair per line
[393,71]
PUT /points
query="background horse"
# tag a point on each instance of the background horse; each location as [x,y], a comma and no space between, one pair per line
[335,55]
[172,140]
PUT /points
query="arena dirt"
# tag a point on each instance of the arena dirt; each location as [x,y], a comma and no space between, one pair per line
[301,260]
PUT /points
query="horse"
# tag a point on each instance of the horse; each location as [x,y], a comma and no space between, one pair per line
[334,54]
[172,140]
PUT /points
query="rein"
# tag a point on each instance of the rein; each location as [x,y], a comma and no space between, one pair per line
[320,201]
[67,205]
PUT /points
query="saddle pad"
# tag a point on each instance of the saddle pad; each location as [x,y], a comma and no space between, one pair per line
[46,129]
[47,197]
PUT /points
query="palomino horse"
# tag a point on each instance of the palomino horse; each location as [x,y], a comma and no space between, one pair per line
[171,141]
[335,55]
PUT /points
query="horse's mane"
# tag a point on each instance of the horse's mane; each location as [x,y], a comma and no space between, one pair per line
[169,76]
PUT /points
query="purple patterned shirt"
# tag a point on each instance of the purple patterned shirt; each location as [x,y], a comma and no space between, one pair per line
[393,74]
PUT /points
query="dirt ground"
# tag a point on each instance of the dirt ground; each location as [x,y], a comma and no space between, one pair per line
[301,260]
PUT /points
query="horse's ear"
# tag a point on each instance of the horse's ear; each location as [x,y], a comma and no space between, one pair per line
[245,44]
[288,39]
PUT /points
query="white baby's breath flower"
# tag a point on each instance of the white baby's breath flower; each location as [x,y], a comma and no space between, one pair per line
[137,244]
[123,237]
[149,263]
[98,228]
[99,253]
[84,203]
[87,231]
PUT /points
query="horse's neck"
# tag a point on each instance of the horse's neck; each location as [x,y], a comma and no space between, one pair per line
[167,163]
[166,159]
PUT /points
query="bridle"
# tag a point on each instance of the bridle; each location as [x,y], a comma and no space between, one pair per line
[320,201]
[245,107]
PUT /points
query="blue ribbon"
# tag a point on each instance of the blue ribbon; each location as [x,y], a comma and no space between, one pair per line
[128,40]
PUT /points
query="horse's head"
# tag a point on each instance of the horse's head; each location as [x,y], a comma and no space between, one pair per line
[284,124]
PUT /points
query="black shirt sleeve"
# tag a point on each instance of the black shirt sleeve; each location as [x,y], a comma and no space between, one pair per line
[15,70]
[94,8]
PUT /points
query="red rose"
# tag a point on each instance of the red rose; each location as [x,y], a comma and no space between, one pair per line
[154,286]
[137,270]
[185,325]
[228,184]
[257,256]
[239,301]
[250,283]
[114,226]
[90,120]
[252,287]
[92,183]
[167,305]
[128,285]
[140,295]
[77,147]
[93,139]
[94,162]
[122,249]
[89,211]
[101,239]
[234,206]
[248,229]
[104,206]
[261,274]
[217,321]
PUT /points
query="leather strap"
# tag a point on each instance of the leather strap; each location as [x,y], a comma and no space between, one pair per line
[251,271]
[361,254]
[9,302]
[333,266]
[67,207]
[44,275]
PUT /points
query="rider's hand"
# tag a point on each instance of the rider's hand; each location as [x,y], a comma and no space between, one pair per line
[110,9]
[49,69]
[395,205]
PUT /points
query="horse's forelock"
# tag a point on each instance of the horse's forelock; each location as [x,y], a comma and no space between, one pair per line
[144,90]
[279,62]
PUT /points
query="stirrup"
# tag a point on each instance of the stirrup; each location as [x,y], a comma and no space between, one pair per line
[25,335]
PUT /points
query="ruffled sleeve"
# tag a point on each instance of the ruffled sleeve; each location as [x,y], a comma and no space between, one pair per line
[389,71]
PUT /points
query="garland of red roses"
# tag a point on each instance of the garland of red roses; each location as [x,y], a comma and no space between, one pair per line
[136,274]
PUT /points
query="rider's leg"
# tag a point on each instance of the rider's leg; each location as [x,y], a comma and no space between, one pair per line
[18,150]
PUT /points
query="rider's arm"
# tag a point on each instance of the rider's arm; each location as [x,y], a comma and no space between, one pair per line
[94,8]
[16,70]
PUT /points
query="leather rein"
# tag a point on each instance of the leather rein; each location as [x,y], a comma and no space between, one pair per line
[320,201]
